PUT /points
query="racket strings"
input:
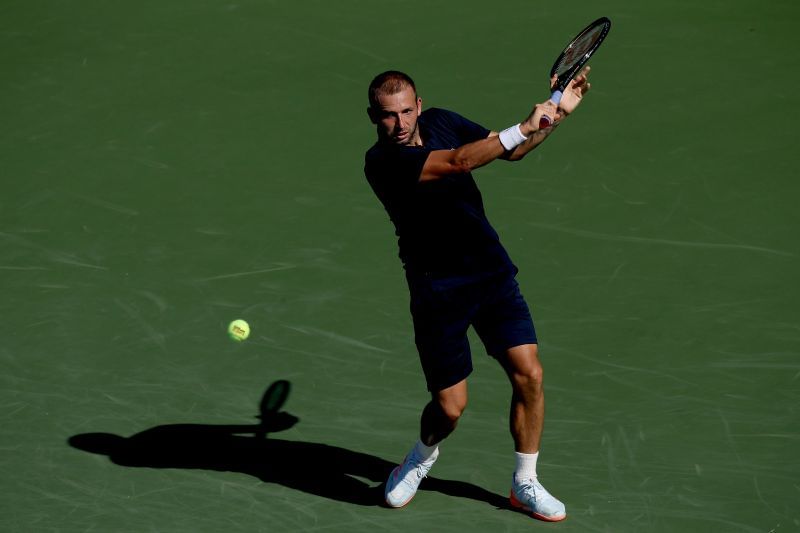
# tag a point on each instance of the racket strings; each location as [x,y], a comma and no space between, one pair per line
[582,46]
[580,49]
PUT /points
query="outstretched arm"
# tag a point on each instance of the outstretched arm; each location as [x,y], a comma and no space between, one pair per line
[441,163]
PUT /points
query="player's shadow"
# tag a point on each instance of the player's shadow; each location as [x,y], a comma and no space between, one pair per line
[329,471]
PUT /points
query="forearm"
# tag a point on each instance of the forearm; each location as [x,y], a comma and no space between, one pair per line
[512,143]
[534,139]
[463,159]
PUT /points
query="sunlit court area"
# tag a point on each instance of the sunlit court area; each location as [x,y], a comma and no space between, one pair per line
[167,167]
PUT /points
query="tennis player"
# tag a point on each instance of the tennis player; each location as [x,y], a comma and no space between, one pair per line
[457,270]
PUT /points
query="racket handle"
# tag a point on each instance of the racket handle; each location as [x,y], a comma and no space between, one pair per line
[545,121]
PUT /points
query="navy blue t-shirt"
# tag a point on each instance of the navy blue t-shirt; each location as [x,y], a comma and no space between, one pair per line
[443,233]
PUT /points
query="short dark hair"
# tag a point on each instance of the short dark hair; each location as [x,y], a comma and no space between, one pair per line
[389,82]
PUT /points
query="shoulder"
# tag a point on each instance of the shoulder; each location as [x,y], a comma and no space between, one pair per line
[449,128]
[373,153]
[380,152]
[385,161]
[438,115]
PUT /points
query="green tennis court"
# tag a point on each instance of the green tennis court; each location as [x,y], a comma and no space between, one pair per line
[168,167]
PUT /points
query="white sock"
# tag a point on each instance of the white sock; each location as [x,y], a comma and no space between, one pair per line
[526,466]
[425,452]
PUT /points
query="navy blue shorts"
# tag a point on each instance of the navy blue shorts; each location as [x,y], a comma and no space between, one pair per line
[494,307]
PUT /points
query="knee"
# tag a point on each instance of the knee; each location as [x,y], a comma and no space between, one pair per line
[529,381]
[530,375]
[451,402]
[453,408]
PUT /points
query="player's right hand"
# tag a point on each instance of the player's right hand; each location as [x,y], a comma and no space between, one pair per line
[531,123]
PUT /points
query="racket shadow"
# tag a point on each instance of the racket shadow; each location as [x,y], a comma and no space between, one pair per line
[315,468]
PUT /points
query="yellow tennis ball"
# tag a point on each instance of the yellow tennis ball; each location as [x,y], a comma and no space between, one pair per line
[238,330]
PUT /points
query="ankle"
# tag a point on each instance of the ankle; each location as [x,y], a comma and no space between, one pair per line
[526,466]
[424,451]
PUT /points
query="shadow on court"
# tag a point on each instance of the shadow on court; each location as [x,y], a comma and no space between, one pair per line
[315,468]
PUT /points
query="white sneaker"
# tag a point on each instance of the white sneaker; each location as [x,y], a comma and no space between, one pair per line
[531,496]
[405,479]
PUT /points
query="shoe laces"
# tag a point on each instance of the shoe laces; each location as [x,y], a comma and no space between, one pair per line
[530,487]
[419,466]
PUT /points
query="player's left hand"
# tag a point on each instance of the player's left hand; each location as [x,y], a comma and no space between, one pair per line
[574,93]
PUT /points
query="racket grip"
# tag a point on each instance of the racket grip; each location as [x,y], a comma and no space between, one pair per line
[545,121]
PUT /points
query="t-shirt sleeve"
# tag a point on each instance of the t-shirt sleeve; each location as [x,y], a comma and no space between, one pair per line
[467,130]
[394,168]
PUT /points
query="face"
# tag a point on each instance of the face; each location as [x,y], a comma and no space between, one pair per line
[396,117]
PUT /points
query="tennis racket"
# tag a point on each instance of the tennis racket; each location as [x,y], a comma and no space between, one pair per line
[573,58]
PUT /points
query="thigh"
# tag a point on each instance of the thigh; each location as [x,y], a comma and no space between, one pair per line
[504,320]
[441,319]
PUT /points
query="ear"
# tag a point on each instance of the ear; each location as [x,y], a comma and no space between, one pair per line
[372,117]
[419,105]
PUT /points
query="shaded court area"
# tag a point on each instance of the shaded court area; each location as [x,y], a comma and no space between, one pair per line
[168,167]
[314,468]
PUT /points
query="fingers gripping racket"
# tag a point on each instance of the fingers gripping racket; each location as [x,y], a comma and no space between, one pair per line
[573,58]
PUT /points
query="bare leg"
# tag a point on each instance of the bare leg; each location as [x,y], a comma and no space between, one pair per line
[524,370]
[440,416]
[439,419]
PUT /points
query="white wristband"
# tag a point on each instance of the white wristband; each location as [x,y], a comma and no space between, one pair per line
[512,137]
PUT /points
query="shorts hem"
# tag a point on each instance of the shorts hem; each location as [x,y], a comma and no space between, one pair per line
[440,385]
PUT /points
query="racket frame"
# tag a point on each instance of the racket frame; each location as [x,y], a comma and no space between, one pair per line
[567,76]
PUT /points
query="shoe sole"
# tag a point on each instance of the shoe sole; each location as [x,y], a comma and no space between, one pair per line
[515,503]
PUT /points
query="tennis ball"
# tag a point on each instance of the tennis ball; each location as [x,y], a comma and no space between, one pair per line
[238,330]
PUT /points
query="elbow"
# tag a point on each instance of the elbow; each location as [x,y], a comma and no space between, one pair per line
[461,168]
[462,165]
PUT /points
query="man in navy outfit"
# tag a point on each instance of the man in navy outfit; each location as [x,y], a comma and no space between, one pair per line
[458,272]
